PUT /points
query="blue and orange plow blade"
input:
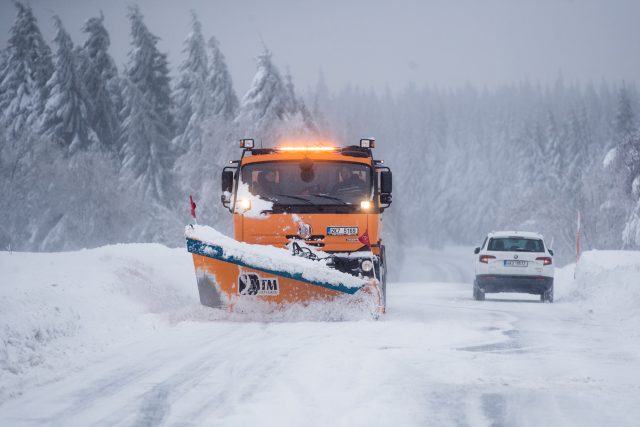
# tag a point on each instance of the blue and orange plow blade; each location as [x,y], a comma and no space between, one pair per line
[224,279]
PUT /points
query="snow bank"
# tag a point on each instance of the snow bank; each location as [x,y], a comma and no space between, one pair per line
[604,281]
[272,258]
[59,309]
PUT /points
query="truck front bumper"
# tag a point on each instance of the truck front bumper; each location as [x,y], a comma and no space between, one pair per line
[353,264]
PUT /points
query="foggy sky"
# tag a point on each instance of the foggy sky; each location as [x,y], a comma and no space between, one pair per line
[379,44]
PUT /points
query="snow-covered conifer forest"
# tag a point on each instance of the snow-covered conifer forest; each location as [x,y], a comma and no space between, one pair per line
[93,153]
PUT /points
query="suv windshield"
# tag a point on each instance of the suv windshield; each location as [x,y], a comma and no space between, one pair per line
[515,244]
[309,182]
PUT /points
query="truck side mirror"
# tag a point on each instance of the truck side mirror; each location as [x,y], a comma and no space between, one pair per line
[386,182]
[476,251]
[227,181]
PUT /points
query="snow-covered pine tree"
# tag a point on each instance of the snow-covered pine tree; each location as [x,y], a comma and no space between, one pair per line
[147,127]
[148,69]
[27,69]
[624,162]
[296,106]
[610,200]
[566,193]
[266,100]
[630,154]
[220,86]
[65,119]
[4,57]
[320,103]
[291,103]
[624,158]
[209,104]
[578,144]
[100,77]
[625,119]
[553,153]
[97,47]
[192,100]
[265,110]
[147,159]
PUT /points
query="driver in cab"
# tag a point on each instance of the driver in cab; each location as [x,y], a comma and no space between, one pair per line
[266,184]
[350,183]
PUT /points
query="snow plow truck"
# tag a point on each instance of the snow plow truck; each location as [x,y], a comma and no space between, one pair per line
[306,225]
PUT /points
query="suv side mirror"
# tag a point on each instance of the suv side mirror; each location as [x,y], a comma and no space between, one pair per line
[476,251]
[551,252]
[386,182]
[227,181]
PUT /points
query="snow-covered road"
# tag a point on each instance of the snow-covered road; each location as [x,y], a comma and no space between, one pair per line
[437,358]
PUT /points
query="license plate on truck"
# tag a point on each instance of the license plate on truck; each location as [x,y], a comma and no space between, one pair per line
[515,263]
[342,231]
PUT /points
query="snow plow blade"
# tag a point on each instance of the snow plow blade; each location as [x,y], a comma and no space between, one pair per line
[229,273]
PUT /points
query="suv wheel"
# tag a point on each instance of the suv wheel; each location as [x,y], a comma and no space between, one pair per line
[478,294]
[547,296]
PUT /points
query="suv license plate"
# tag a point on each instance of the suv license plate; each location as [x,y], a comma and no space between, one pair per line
[515,263]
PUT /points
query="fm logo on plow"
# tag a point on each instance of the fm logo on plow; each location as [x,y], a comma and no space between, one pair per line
[252,284]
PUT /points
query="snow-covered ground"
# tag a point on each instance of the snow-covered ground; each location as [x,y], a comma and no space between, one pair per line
[116,336]
[58,310]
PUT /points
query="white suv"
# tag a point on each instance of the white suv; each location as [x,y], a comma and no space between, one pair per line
[514,261]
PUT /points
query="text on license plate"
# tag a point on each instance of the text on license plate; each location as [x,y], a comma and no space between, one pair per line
[515,263]
[342,231]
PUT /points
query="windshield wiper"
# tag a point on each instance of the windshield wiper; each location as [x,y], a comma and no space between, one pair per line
[309,202]
[326,196]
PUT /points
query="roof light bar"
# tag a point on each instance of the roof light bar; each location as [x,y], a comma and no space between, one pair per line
[306,148]
[247,143]
[368,142]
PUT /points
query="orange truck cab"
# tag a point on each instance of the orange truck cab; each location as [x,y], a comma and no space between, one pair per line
[330,198]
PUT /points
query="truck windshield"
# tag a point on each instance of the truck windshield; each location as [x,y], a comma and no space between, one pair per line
[309,182]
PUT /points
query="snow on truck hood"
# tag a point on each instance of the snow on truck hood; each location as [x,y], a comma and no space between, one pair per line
[272,258]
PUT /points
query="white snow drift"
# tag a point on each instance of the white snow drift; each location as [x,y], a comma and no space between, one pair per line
[57,309]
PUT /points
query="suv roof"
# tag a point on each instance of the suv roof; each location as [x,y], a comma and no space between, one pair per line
[529,234]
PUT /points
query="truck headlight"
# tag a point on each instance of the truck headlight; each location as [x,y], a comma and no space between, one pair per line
[365,205]
[366,265]
[245,204]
